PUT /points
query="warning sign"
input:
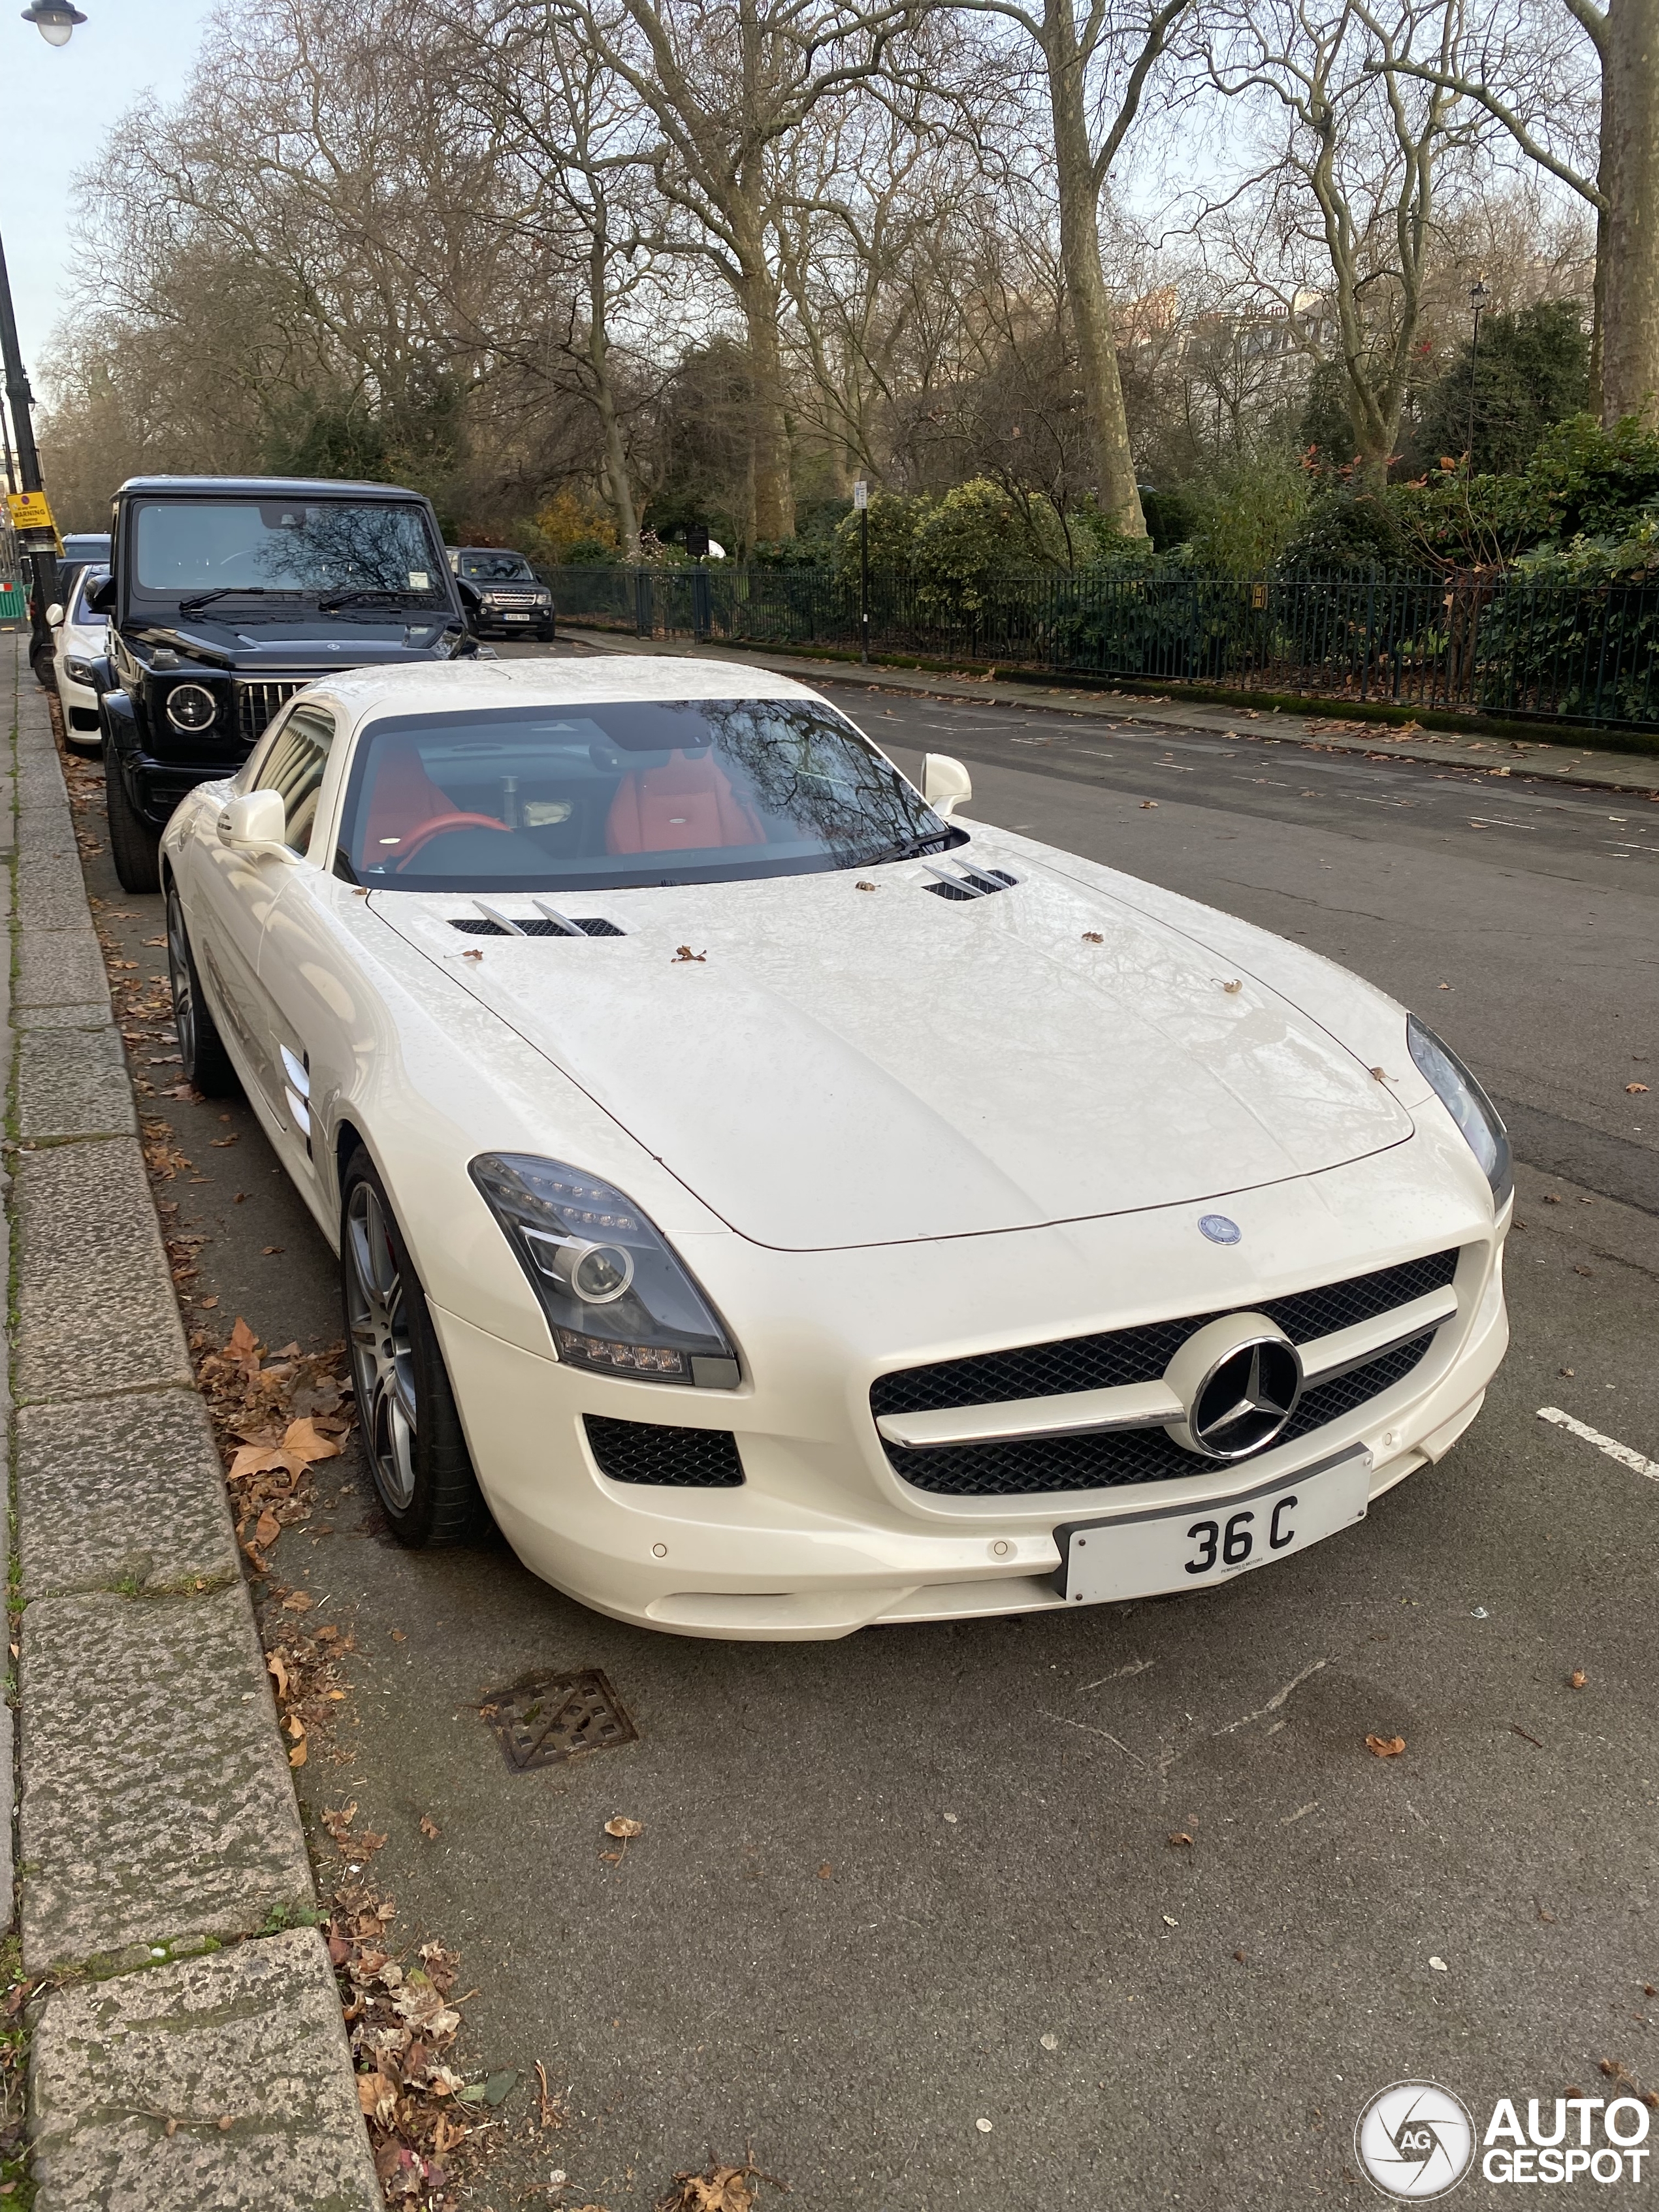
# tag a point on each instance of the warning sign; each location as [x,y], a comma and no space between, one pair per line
[29,510]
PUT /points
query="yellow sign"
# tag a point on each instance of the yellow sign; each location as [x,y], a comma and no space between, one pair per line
[29,510]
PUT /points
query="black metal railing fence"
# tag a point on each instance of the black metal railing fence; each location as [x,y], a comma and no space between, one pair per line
[1498,645]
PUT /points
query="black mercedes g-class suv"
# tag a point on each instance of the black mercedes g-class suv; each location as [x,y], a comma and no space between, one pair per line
[226,594]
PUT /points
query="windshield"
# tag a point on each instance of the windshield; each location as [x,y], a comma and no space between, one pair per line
[705,790]
[81,615]
[183,547]
[496,569]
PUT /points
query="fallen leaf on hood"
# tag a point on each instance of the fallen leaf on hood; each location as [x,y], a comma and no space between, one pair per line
[1238,984]
[1386,1747]
[684,953]
[864,887]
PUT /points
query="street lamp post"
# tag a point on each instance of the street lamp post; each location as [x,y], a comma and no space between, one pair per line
[55,20]
[1477,301]
[861,505]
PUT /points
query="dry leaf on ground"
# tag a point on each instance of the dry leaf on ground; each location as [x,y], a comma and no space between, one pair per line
[1386,1747]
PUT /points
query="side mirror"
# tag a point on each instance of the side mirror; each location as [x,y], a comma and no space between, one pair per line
[55,615]
[100,600]
[944,782]
[255,824]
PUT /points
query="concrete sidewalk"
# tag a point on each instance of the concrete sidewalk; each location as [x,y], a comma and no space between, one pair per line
[1556,759]
[191,2052]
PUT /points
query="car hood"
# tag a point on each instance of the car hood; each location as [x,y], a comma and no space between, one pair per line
[313,649]
[851,1061]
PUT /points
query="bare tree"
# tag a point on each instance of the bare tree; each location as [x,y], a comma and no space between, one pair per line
[1352,179]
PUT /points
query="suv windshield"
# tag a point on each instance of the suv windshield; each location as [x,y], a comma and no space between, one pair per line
[495,568]
[704,791]
[186,547]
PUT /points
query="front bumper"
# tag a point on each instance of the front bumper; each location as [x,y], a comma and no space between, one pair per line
[822,1538]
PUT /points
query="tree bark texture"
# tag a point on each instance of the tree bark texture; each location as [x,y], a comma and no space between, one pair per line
[1630,178]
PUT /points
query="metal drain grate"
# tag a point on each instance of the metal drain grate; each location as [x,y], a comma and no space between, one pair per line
[544,1718]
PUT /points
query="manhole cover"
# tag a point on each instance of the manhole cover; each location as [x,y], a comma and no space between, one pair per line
[546,1717]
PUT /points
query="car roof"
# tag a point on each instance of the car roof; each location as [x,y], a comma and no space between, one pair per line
[263,487]
[611,678]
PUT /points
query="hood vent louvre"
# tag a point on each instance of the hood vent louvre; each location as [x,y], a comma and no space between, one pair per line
[590,926]
[969,883]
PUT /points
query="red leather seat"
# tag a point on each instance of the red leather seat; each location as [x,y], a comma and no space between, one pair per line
[686,806]
[404,796]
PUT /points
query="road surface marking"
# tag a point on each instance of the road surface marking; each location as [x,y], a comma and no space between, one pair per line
[1622,1453]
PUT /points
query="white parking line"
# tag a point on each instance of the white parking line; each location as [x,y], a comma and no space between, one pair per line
[1622,1453]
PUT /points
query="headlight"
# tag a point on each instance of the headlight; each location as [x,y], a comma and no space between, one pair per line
[78,672]
[1468,1105]
[616,1296]
[191,707]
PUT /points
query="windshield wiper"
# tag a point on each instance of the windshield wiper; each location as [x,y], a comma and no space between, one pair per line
[914,848]
[331,602]
[197,601]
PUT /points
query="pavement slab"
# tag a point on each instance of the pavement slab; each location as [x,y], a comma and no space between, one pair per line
[158,1806]
[96,1308]
[74,1083]
[58,967]
[250,2036]
[121,1493]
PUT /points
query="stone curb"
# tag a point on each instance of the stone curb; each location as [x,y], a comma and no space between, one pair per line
[194,2054]
[1554,760]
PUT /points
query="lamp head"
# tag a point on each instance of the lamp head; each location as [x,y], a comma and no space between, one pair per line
[55,20]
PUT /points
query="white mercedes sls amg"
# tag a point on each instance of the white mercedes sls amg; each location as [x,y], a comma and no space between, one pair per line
[793,1207]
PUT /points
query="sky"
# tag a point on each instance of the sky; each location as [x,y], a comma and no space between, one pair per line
[57,106]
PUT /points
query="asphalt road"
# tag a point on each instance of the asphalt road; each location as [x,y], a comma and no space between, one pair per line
[893,1889]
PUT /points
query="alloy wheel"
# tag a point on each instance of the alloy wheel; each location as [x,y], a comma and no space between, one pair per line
[184,994]
[382,1356]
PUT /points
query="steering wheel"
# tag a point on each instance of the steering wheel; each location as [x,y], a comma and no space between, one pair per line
[435,828]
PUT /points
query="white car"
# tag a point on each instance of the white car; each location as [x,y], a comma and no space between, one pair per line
[796,1208]
[81,637]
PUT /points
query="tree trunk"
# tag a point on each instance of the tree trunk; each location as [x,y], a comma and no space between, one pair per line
[1630,178]
[769,429]
[598,358]
[1085,285]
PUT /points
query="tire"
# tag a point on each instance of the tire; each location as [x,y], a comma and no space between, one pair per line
[201,1048]
[548,632]
[134,847]
[412,1437]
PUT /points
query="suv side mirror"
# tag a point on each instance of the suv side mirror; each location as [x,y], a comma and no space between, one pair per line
[944,782]
[255,823]
[100,600]
[55,615]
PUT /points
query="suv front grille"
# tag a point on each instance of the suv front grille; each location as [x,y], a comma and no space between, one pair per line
[257,701]
[651,1451]
[1026,1467]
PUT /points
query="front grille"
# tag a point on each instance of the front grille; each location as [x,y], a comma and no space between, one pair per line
[1024,1467]
[595,924]
[1141,1355]
[650,1451]
[1027,1466]
[256,702]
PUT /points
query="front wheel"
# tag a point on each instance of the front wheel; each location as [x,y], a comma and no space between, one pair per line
[134,847]
[201,1048]
[411,1430]
[548,632]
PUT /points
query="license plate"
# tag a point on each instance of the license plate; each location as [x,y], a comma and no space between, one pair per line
[1193,1547]
[518,618]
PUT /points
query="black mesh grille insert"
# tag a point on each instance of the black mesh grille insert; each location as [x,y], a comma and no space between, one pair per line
[1141,1355]
[650,1451]
[1030,1465]
[594,925]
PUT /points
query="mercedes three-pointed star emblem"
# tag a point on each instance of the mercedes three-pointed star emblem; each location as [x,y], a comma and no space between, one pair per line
[1247,1397]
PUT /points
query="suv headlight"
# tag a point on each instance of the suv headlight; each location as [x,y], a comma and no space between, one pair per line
[1468,1105]
[191,708]
[616,1297]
